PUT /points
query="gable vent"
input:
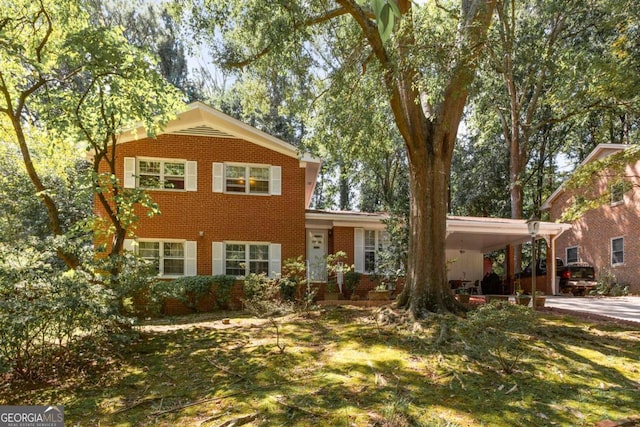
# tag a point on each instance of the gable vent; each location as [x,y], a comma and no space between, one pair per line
[203,131]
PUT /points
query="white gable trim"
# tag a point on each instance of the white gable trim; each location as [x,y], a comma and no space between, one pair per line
[199,119]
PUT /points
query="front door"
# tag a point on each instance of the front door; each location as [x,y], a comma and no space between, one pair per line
[317,255]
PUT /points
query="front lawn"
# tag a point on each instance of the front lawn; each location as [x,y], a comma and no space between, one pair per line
[354,367]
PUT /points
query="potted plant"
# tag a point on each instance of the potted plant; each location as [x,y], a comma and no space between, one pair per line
[540,299]
[463,296]
[351,280]
[331,291]
[380,293]
[521,297]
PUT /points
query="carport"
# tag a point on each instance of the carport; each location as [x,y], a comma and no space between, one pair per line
[469,238]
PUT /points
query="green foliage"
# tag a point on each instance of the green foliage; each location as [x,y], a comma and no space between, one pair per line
[23,215]
[263,296]
[65,79]
[386,12]
[352,280]
[480,175]
[293,277]
[607,285]
[46,312]
[149,26]
[191,289]
[591,183]
[498,331]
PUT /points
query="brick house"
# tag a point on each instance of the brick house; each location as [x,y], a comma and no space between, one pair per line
[607,237]
[235,200]
[229,194]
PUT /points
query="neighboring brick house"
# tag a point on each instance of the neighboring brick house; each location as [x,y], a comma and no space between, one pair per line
[607,237]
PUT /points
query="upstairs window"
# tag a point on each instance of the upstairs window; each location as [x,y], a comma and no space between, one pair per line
[617,193]
[247,179]
[160,174]
[572,254]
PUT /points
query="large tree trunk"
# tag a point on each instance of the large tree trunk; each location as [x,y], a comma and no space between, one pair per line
[429,130]
[430,133]
[427,287]
[516,168]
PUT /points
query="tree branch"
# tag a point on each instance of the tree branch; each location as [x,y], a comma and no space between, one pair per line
[48,31]
[334,13]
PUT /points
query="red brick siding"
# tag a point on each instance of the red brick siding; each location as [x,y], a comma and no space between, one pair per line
[593,232]
[222,217]
[343,241]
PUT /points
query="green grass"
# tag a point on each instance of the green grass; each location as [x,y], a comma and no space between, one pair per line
[347,367]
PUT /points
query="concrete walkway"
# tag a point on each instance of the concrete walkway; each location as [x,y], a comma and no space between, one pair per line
[625,308]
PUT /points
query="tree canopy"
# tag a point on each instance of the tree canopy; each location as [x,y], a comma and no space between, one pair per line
[65,80]
[419,61]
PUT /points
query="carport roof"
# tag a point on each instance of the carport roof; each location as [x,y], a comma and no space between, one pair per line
[490,234]
[463,232]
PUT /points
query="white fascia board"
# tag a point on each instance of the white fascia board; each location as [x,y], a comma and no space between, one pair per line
[480,225]
[345,219]
[312,169]
[200,114]
[485,225]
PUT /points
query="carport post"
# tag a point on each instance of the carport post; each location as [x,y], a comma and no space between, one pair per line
[534,225]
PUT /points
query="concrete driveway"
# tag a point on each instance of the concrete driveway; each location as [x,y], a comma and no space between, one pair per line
[625,308]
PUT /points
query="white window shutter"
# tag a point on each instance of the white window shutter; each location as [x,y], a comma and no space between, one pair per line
[190,258]
[191,176]
[358,249]
[218,181]
[275,259]
[217,258]
[129,172]
[129,245]
[276,180]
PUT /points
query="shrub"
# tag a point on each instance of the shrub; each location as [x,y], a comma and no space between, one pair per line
[608,285]
[263,296]
[191,289]
[289,291]
[352,279]
[293,277]
[45,312]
